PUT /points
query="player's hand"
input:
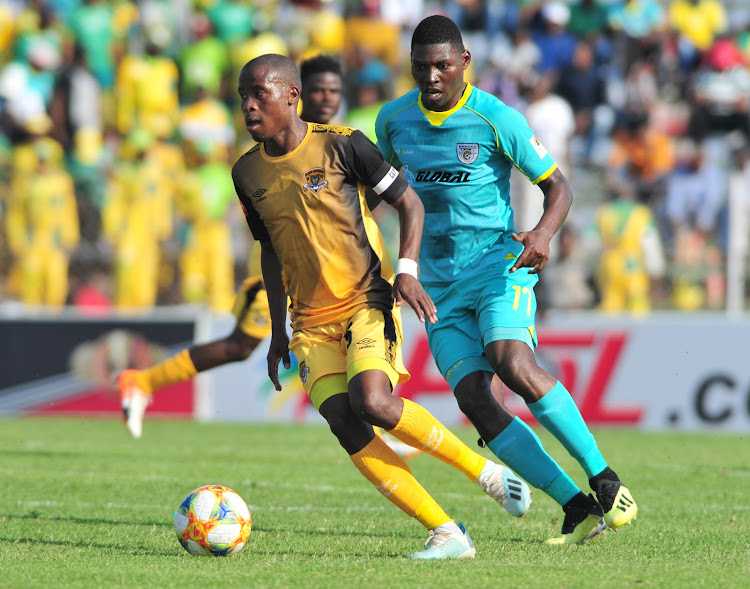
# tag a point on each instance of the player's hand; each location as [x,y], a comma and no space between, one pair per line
[407,288]
[535,254]
[278,350]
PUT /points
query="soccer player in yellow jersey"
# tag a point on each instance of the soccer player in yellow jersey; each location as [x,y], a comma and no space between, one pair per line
[321,97]
[302,190]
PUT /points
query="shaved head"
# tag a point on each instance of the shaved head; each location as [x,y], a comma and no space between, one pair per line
[279,68]
[269,88]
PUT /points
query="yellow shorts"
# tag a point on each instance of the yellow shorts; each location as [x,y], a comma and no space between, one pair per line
[251,309]
[331,355]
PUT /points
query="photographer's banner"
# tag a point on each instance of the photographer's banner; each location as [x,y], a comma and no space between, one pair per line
[65,364]
[664,371]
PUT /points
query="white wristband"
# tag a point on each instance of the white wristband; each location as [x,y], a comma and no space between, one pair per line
[407,266]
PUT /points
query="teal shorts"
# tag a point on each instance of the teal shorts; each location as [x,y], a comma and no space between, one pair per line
[488,305]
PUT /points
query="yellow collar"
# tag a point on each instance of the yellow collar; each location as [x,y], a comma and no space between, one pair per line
[438,118]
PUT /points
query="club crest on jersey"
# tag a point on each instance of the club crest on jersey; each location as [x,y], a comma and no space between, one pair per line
[315,180]
[467,152]
[304,371]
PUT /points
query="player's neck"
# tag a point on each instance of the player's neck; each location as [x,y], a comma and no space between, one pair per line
[286,140]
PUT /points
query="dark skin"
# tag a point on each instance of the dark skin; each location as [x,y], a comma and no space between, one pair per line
[321,97]
[269,99]
[438,69]
[321,101]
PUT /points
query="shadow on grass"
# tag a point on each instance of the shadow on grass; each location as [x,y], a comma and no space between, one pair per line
[82,544]
[85,520]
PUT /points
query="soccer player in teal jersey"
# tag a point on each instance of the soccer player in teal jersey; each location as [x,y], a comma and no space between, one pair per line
[456,146]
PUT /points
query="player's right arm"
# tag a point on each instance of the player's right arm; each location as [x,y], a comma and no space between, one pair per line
[274,282]
[279,348]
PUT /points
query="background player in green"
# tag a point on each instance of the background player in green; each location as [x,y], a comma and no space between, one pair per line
[457,145]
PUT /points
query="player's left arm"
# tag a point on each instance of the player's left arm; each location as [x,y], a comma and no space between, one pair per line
[518,143]
[558,197]
[384,145]
[368,166]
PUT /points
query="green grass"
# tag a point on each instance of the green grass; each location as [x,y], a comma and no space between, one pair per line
[83,505]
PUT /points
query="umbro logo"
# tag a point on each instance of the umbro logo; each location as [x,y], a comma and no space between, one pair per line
[365,343]
[259,194]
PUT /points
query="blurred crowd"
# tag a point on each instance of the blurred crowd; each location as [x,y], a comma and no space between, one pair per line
[119,124]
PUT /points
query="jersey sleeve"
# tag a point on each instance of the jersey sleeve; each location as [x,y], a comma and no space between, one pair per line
[518,142]
[384,142]
[365,162]
[257,227]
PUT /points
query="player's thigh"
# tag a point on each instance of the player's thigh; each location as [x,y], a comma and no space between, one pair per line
[455,340]
[322,361]
[373,342]
[505,300]
[250,308]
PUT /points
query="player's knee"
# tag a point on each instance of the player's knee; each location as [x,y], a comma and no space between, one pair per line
[340,424]
[469,405]
[511,369]
[351,432]
[373,407]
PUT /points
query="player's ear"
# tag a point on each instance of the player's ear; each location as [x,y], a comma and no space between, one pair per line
[293,95]
[466,58]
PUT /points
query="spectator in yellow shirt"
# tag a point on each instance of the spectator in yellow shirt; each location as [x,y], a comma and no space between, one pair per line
[43,230]
[137,218]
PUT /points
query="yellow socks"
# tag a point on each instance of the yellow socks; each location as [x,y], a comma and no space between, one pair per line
[391,476]
[178,368]
[418,428]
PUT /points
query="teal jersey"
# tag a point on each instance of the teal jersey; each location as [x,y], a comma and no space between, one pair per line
[459,163]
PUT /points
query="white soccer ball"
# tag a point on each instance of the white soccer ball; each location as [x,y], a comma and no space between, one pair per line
[212,521]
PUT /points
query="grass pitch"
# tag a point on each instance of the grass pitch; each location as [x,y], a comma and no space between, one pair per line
[83,505]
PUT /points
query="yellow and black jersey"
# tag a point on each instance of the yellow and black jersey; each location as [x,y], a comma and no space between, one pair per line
[310,204]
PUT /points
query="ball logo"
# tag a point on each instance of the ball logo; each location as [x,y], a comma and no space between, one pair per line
[315,180]
[467,152]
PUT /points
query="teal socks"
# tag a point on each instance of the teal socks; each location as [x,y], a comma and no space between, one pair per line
[521,449]
[560,416]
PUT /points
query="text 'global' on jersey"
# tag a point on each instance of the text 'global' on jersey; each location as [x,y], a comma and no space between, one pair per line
[442,176]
